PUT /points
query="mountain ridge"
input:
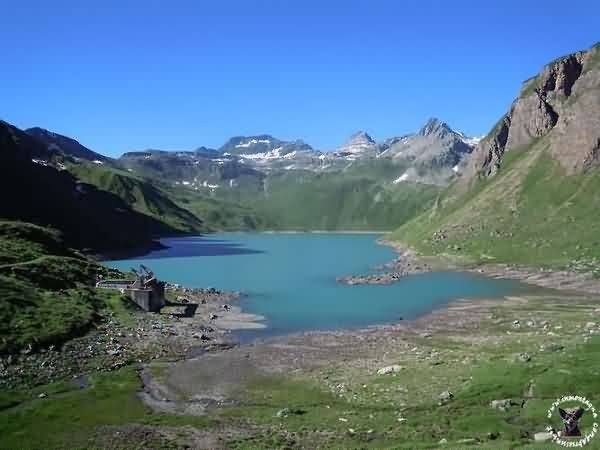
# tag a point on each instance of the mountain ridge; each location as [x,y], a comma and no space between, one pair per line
[527,192]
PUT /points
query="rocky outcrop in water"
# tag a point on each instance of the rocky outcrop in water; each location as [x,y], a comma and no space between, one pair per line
[404,265]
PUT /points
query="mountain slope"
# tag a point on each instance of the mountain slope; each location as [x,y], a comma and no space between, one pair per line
[359,144]
[45,295]
[65,145]
[44,192]
[531,188]
[361,197]
[436,152]
[140,195]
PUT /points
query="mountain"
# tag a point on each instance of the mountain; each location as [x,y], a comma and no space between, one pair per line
[248,145]
[65,145]
[207,173]
[139,195]
[44,192]
[98,170]
[529,191]
[258,181]
[360,144]
[435,152]
[361,196]
[355,187]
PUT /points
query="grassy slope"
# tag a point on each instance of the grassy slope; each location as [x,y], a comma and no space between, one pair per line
[529,213]
[181,208]
[362,198]
[45,294]
[142,196]
[370,405]
[217,213]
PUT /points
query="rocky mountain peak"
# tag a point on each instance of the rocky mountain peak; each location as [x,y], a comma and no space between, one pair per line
[358,142]
[560,102]
[361,137]
[434,126]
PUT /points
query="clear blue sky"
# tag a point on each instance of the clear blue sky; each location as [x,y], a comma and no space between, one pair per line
[175,74]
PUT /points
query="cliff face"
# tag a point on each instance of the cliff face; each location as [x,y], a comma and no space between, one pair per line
[540,164]
[561,102]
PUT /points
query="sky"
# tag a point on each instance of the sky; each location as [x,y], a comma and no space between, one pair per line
[176,75]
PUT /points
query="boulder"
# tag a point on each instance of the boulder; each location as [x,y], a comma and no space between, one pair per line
[389,369]
[445,397]
[523,357]
[542,436]
[283,412]
[503,404]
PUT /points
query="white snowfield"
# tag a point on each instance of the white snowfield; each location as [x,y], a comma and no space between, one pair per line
[401,178]
[273,154]
[469,140]
[253,142]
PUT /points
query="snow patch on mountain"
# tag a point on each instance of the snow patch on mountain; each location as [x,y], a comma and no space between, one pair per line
[252,142]
[401,178]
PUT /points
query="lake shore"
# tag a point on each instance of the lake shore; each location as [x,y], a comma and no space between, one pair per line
[341,388]
[193,319]
[409,262]
[358,367]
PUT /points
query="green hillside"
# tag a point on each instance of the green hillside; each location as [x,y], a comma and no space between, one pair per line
[39,190]
[139,194]
[530,213]
[532,189]
[45,294]
[218,213]
[357,200]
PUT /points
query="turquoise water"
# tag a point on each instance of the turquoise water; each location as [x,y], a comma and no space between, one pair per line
[290,278]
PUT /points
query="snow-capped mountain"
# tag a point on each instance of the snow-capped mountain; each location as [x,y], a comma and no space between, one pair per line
[435,152]
[359,144]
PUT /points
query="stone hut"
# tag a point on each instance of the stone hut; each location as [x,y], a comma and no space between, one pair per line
[146,290]
[148,295]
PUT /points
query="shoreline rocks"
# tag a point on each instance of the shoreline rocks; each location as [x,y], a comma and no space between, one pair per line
[403,265]
[182,326]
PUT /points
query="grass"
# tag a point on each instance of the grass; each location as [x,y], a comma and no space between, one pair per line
[371,406]
[20,241]
[366,412]
[218,213]
[362,198]
[33,317]
[529,213]
[139,194]
[69,416]
[46,299]
[530,86]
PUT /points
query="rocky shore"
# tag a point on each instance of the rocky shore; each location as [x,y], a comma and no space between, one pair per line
[194,320]
[406,263]
[565,280]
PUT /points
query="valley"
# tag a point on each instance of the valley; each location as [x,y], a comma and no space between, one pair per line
[446,352]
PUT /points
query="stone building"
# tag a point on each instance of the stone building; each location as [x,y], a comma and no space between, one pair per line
[146,290]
